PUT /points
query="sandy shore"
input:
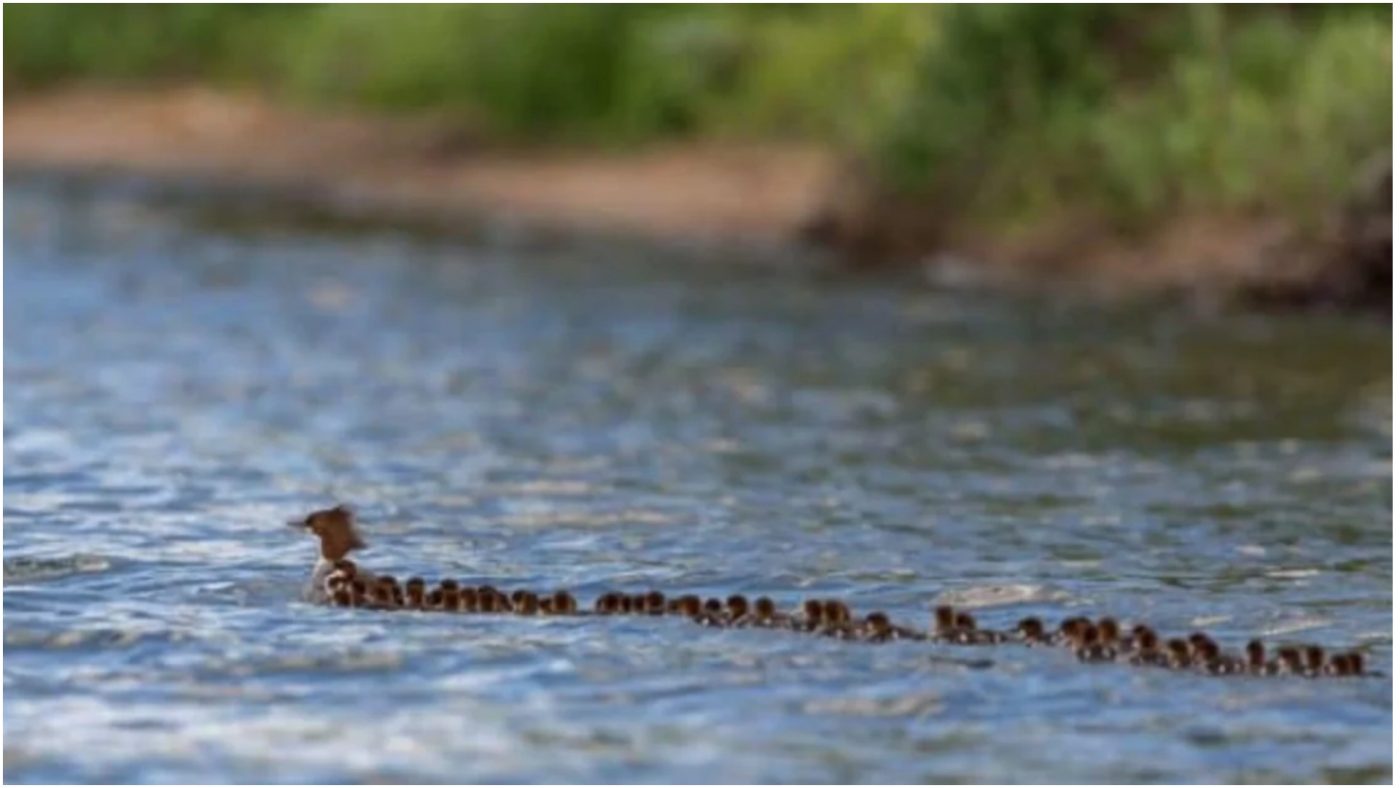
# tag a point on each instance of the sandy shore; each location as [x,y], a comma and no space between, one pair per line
[732,195]
[741,193]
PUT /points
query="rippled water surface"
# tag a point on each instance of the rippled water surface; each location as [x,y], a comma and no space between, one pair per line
[593,417]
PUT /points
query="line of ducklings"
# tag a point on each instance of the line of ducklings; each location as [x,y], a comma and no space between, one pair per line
[1092,641]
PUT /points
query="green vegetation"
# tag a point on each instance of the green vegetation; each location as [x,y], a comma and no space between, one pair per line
[1008,112]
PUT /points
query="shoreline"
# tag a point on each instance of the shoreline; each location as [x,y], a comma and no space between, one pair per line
[750,198]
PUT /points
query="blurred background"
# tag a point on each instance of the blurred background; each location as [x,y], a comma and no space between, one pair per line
[1231,148]
[1030,310]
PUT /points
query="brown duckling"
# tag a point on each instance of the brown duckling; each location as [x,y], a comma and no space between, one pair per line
[1092,649]
[526,603]
[359,593]
[945,622]
[468,601]
[415,591]
[1031,631]
[1288,661]
[565,604]
[386,592]
[1109,633]
[812,616]
[1146,647]
[1178,654]
[655,603]
[450,591]
[877,628]
[765,612]
[736,608]
[341,597]
[1256,658]
[969,634]
[606,605]
[1071,632]
[1314,659]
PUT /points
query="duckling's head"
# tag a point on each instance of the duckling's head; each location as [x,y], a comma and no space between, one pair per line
[1290,657]
[415,589]
[468,600]
[1254,653]
[713,606]
[690,605]
[518,596]
[656,602]
[813,609]
[1356,663]
[1146,640]
[1073,627]
[738,606]
[449,584]
[1031,628]
[335,528]
[1179,649]
[1108,630]
[606,604]
[345,568]
[1315,657]
[945,618]
[966,622]
[764,608]
[878,623]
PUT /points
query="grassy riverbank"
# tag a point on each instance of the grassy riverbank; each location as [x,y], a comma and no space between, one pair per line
[977,121]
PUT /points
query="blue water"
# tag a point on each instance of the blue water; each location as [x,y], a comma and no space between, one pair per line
[601,416]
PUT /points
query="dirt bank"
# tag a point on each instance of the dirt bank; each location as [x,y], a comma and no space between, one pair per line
[760,195]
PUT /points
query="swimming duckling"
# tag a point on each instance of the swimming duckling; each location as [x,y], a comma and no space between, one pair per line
[359,593]
[1031,631]
[636,603]
[1178,654]
[765,612]
[691,607]
[877,628]
[1109,633]
[1356,663]
[1288,661]
[468,600]
[606,604]
[1145,647]
[1256,658]
[655,603]
[1091,648]
[383,595]
[811,617]
[1071,632]
[969,634]
[342,596]
[736,609]
[1202,647]
[449,592]
[712,614]
[414,591]
[945,622]
[527,603]
[1314,660]
[564,603]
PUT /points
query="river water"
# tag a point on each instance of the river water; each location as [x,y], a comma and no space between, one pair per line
[601,416]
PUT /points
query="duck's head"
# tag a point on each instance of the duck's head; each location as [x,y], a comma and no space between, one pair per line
[336,530]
